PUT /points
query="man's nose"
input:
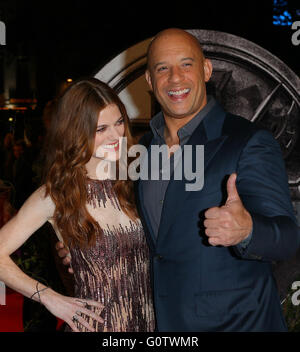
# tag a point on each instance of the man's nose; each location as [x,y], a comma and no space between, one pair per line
[175,74]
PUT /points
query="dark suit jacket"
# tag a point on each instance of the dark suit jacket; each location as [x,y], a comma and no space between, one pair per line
[198,287]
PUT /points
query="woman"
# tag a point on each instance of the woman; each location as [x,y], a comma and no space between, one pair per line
[94,216]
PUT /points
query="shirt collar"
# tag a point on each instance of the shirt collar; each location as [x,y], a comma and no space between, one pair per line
[157,123]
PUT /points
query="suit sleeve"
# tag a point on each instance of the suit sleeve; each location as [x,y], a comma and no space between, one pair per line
[262,184]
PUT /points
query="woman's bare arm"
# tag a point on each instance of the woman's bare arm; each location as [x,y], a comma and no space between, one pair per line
[33,214]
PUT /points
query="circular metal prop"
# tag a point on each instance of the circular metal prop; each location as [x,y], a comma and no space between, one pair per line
[251,82]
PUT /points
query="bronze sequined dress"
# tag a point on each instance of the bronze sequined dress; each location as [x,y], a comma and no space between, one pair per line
[115,271]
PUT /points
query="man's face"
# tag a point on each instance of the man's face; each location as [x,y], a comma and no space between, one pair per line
[177,72]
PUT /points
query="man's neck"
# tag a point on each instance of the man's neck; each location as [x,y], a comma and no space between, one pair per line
[173,125]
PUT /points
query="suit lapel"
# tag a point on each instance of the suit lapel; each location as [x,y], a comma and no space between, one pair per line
[139,196]
[144,216]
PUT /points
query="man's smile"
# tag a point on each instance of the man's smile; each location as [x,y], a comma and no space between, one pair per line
[179,93]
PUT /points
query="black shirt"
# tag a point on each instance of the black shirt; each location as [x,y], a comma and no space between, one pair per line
[154,190]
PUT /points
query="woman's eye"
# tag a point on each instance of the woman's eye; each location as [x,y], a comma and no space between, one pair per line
[119,122]
[101,129]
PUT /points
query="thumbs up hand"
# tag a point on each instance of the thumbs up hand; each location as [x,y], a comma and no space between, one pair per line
[231,223]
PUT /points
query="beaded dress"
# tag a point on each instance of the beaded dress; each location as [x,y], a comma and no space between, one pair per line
[115,271]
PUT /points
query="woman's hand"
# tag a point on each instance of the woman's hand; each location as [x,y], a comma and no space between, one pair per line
[71,309]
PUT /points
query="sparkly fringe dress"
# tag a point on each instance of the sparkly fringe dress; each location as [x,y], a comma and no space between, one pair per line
[115,271]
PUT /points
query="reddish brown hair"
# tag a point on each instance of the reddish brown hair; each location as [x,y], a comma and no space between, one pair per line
[70,144]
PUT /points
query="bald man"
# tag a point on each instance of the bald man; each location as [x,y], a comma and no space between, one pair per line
[212,249]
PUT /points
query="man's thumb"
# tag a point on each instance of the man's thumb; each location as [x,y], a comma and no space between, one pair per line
[232,193]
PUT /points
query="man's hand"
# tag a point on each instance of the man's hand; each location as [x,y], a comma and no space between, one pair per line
[231,223]
[63,252]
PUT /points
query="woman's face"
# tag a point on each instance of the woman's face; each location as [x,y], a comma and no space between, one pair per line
[110,129]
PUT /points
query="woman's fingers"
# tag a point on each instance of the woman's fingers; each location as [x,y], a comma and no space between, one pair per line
[76,319]
[73,327]
[94,303]
[85,310]
[93,315]
[83,313]
[87,302]
[84,323]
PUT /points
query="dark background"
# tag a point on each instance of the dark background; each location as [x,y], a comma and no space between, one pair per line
[76,38]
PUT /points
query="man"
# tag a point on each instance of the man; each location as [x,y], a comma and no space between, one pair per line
[212,248]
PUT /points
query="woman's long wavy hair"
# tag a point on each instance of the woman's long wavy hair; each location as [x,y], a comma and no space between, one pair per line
[70,145]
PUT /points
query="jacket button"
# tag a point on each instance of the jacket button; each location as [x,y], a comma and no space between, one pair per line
[159,257]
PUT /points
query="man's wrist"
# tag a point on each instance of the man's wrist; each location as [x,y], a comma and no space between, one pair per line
[245,242]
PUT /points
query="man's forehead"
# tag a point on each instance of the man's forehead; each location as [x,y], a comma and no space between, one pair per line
[174,45]
[178,53]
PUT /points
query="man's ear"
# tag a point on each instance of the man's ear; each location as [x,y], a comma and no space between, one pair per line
[148,79]
[208,68]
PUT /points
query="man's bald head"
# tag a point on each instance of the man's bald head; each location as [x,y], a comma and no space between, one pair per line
[177,72]
[166,34]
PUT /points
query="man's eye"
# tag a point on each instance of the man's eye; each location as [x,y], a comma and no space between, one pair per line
[186,64]
[162,68]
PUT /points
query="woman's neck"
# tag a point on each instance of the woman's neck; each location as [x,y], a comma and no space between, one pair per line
[100,169]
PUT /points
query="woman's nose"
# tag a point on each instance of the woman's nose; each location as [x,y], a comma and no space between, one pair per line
[114,134]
